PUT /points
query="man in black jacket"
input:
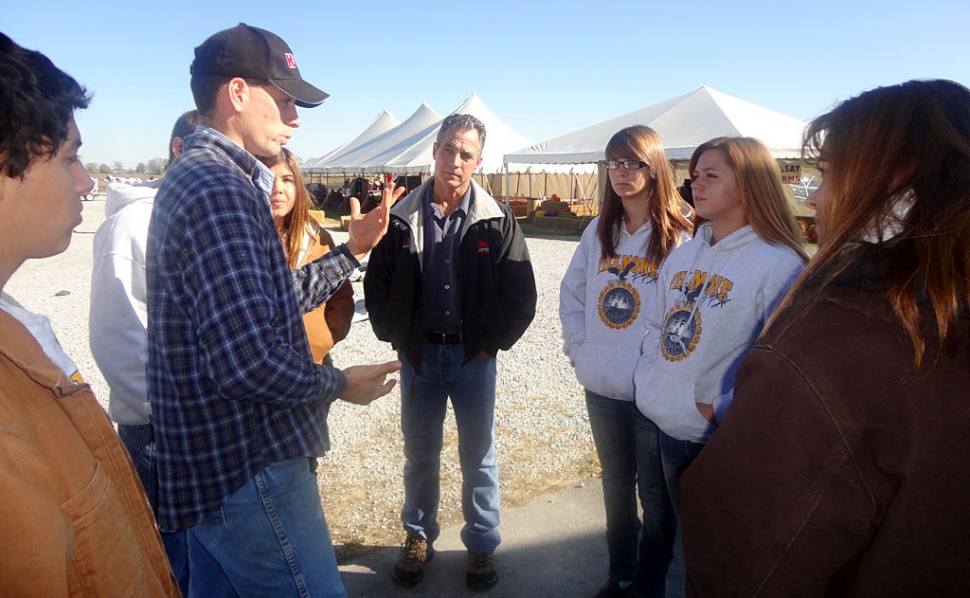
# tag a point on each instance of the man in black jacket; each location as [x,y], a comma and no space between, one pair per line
[449,286]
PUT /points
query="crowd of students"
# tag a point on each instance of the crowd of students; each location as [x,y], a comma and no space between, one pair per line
[790,426]
[802,422]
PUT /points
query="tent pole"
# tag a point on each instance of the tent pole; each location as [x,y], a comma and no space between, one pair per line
[505,172]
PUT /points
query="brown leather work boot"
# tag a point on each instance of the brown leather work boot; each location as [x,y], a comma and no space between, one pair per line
[415,552]
[481,570]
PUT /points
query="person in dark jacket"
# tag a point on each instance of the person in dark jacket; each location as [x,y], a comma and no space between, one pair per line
[449,286]
[843,465]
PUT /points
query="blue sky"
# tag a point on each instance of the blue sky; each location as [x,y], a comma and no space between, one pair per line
[546,69]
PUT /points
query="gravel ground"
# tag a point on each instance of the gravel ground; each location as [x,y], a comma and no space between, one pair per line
[542,432]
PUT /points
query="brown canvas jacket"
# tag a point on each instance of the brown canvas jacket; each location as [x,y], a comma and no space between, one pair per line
[74,520]
[835,472]
[329,323]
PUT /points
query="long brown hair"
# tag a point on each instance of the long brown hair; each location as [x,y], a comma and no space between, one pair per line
[295,223]
[905,143]
[764,201]
[664,203]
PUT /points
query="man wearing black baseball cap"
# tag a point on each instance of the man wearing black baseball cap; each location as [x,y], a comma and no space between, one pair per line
[250,52]
[239,408]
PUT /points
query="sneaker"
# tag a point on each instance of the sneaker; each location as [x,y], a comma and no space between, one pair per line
[415,552]
[612,589]
[481,570]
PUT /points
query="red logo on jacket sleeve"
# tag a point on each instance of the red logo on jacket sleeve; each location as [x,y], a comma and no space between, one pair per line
[483,248]
[290,60]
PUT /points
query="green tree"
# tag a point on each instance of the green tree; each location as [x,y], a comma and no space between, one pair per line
[104,169]
[157,165]
[91,167]
[141,168]
[117,166]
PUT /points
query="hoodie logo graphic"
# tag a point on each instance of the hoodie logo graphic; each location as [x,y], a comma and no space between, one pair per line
[716,289]
[290,60]
[619,305]
[619,301]
[483,248]
[680,332]
[681,329]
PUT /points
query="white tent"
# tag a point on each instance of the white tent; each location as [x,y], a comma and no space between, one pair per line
[407,147]
[392,141]
[499,139]
[683,123]
[384,122]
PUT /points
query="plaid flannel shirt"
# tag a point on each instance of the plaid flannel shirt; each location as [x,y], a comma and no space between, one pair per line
[232,384]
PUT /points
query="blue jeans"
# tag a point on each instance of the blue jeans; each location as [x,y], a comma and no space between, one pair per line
[677,455]
[628,446]
[268,539]
[424,401]
[140,442]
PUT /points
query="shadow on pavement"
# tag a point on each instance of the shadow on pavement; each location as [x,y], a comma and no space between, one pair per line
[554,546]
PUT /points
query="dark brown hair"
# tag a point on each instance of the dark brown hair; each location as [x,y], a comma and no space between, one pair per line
[665,205]
[37,102]
[184,126]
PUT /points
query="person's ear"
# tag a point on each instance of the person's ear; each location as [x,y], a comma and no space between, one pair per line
[237,92]
[177,144]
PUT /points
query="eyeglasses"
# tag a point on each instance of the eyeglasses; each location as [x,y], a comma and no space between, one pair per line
[626,164]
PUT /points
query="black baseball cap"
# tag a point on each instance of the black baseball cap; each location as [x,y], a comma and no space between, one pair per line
[254,53]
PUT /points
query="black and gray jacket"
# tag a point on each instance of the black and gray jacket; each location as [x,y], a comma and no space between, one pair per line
[498,287]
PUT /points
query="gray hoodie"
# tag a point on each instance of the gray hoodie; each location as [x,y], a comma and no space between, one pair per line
[601,304]
[119,312]
[713,303]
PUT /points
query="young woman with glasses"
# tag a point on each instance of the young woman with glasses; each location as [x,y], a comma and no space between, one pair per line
[843,468]
[609,284]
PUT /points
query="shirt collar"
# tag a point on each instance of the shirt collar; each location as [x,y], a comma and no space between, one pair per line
[431,210]
[258,172]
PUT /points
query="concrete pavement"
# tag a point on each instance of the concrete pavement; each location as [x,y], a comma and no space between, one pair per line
[554,547]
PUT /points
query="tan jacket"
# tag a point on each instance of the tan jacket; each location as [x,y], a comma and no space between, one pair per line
[329,323]
[74,520]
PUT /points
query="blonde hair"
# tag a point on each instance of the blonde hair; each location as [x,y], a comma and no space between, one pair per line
[763,198]
[296,222]
[665,204]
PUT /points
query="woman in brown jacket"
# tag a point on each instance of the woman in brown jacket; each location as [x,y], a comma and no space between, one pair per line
[304,240]
[843,465]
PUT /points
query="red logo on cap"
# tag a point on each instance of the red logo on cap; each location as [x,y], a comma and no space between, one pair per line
[290,60]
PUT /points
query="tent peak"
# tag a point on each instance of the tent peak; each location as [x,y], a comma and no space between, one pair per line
[683,122]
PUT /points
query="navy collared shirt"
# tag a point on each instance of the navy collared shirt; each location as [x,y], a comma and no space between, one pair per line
[232,384]
[442,238]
